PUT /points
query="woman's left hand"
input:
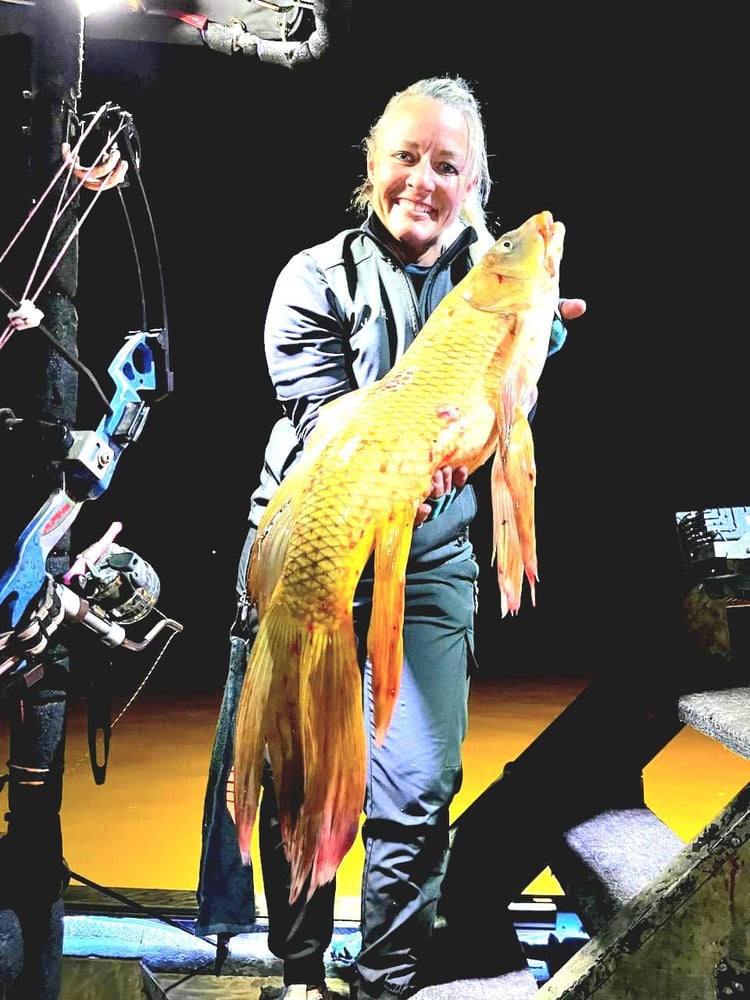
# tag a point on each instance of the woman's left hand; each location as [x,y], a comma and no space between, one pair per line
[572,308]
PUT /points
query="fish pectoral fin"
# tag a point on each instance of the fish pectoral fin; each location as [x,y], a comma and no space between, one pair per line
[506,550]
[520,475]
[385,641]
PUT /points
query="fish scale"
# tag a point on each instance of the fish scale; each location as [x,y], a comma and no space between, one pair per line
[461,393]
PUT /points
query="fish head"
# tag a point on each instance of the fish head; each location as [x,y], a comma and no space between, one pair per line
[522,266]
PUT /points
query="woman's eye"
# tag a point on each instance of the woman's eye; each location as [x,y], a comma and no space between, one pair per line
[448,168]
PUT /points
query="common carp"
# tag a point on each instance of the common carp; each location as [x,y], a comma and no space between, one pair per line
[461,392]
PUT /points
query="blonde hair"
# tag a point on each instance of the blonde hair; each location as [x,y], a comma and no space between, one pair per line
[456,93]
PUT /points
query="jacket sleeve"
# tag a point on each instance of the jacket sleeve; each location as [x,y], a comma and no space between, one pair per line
[304,342]
[559,332]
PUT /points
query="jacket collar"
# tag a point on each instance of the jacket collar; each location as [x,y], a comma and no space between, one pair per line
[466,236]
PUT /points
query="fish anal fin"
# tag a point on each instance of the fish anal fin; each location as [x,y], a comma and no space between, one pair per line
[272,542]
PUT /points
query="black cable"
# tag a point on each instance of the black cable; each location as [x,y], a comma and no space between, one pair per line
[131,903]
[70,358]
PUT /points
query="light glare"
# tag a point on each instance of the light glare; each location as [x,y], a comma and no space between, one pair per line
[95,6]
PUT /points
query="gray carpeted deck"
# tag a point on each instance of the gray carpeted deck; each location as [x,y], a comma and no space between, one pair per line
[180,966]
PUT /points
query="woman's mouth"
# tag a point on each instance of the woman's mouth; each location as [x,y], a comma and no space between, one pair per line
[414,207]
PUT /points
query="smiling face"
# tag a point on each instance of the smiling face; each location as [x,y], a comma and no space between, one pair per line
[418,171]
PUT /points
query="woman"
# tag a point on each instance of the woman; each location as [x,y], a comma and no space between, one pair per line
[340,315]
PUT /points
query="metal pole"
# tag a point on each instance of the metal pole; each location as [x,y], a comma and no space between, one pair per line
[32,857]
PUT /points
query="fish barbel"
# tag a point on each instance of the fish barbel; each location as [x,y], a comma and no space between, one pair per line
[460,393]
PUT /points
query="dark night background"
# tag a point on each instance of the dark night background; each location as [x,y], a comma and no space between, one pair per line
[626,128]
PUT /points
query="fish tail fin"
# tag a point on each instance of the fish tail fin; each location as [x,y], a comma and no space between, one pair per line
[302,700]
[320,832]
[385,640]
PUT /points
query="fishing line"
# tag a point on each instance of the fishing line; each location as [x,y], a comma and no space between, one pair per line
[126,707]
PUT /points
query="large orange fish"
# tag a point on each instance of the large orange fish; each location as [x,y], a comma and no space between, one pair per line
[461,393]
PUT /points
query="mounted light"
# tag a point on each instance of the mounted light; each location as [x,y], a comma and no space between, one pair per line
[288,33]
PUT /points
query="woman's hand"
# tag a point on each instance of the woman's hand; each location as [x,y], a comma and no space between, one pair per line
[443,481]
[101,177]
[572,308]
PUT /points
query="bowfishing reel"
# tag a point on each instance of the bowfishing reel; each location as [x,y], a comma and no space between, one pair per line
[120,585]
[107,588]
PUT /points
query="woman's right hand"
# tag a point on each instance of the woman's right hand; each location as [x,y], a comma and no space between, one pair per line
[443,482]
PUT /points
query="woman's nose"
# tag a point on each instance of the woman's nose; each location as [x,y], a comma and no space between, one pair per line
[422,175]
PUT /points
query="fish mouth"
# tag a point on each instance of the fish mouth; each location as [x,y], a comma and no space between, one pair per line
[553,234]
[548,228]
[544,223]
